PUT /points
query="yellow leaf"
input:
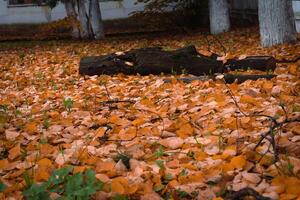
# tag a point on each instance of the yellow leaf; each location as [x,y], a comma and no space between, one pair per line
[14,152]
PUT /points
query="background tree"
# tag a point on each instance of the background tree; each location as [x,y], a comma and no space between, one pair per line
[276,22]
[181,13]
[72,16]
[219,16]
[86,23]
[96,19]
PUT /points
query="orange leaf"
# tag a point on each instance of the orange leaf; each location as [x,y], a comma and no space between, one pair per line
[292,185]
[237,162]
[248,99]
[267,85]
[138,122]
[185,131]
[31,128]
[127,134]
[117,187]
[14,152]
[105,166]
[100,132]
[4,164]
[45,162]
[78,169]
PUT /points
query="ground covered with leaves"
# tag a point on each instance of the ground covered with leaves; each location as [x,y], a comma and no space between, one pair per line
[134,137]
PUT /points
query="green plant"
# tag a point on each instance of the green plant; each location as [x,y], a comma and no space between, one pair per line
[221,142]
[119,197]
[181,193]
[184,71]
[68,104]
[296,108]
[46,123]
[183,172]
[2,187]
[173,71]
[270,72]
[79,186]
[160,164]
[54,85]
[160,152]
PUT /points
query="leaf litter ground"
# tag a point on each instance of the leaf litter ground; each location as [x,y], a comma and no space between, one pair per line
[145,138]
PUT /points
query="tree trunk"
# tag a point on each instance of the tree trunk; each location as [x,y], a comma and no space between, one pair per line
[276,22]
[71,13]
[96,19]
[219,16]
[84,21]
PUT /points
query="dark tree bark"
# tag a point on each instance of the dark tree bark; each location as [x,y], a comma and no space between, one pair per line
[219,16]
[156,61]
[276,22]
[228,78]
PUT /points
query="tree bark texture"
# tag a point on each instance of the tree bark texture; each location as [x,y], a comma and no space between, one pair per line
[71,13]
[83,19]
[96,19]
[219,16]
[276,22]
[156,61]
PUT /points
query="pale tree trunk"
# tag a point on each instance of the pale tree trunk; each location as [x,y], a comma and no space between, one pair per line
[71,13]
[96,19]
[219,16]
[276,22]
[83,19]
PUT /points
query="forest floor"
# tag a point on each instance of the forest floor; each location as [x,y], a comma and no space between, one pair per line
[141,137]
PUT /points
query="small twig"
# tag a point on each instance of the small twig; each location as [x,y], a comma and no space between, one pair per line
[117,101]
[107,92]
[273,125]
[224,48]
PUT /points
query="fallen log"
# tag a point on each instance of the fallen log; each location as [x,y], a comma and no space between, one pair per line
[151,61]
[155,60]
[228,78]
[262,63]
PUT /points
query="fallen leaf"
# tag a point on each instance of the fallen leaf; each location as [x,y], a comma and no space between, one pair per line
[172,142]
[14,152]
